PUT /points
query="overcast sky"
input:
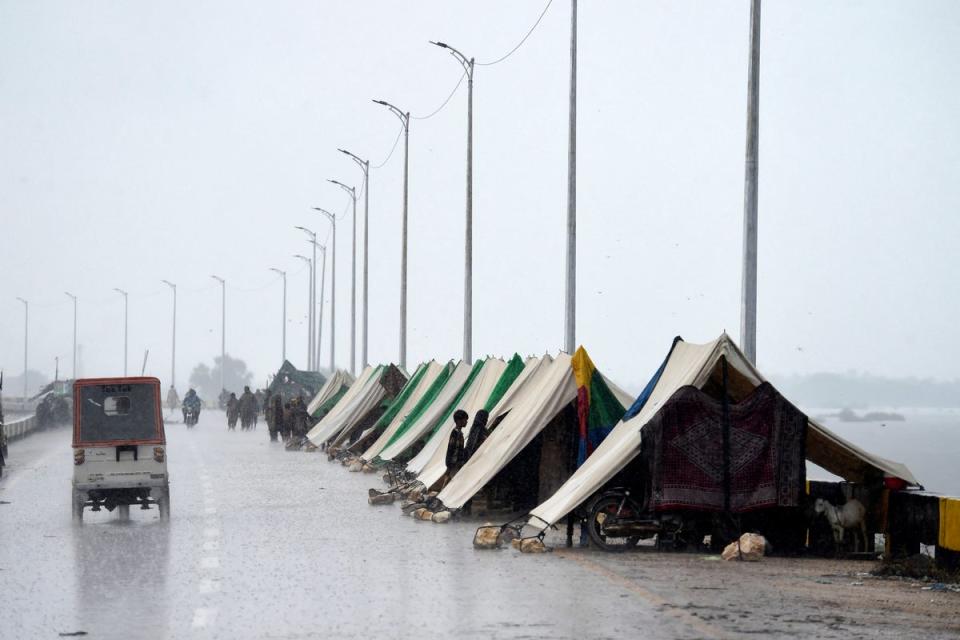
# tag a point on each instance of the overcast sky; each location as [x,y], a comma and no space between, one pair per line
[175,140]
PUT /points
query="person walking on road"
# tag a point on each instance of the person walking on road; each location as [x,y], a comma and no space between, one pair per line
[248,409]
[233,412]
[275,420]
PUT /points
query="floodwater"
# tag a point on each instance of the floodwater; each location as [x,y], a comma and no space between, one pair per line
[927,441]
[263,543]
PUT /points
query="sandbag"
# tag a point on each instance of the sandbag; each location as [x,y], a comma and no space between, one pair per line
[751,548]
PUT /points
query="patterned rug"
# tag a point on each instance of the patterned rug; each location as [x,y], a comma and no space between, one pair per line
[684,455]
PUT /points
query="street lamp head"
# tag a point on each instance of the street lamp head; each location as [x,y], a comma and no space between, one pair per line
[120,291]
[442,45]
[168,283]
[380,102]
[280,271]
[219,279]
[21,300]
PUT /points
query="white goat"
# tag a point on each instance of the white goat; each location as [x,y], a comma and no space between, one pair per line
[851,515]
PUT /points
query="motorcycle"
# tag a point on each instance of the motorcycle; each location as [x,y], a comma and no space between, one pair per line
[617,521]
[190,416]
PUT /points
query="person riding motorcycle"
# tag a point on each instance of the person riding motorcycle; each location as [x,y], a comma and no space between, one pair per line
[191,403]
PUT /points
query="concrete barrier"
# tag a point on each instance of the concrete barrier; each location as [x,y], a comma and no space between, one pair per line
[20,427]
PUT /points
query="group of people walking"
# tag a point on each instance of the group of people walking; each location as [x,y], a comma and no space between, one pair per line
[245,408]
[288,419]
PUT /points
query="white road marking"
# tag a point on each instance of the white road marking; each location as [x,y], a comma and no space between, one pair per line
[203,617]
[211,532]
[210,510]
[210,562]
[211,545]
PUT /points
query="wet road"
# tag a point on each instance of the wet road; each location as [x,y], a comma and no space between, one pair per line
[263,543]
[268,544]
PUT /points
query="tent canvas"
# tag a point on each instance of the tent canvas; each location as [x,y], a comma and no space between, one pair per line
[472,399]
[399,406]
[337,410]
[335,384]
[550,388]
[698,365]
[368,407]
[435,372]
[412,431]
[512,379]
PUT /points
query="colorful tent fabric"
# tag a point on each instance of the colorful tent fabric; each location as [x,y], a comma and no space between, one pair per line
[698,365]
[598,410]
[426,417]
[434,374]
[331,392]
[332,422]
[543,393]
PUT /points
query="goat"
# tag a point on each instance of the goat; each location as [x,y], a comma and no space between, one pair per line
[851,515]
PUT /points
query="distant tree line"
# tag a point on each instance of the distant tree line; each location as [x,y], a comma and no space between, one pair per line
[206,379]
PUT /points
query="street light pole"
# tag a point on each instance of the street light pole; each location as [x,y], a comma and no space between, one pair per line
[74,298]
[223,331]
[405,121]
[570,328]
[365,167]
[173,348]
[26,325]
[748,291]
[353,278]
[312,365]
[126,326]
[284,275]
[323,279]
[309,302]
[333,287]
[467,64]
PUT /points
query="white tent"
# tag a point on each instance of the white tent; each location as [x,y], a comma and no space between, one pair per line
[437,466]
[431,415]
[431,371]
[433,456]
[696,364]
[330,388]
[344,410]
[540,397]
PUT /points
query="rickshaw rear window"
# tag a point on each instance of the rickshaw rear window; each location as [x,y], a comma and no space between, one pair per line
[118,412]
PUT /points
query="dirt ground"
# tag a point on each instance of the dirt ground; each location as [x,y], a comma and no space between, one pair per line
[776,597]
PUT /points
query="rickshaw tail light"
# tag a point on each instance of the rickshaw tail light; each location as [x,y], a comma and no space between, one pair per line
[158,454]
[79,455]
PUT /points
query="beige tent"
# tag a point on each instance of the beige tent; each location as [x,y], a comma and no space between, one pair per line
[346,409]
[428,418]
[540,395]
[431,371]
[437,466]
[330,389]
[700,365]
[432,459]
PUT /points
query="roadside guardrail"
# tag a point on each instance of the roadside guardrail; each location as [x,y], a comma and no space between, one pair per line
[20,427]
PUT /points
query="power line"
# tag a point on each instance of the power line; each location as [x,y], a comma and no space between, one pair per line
[392,149]
[519,44]
[440,108]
